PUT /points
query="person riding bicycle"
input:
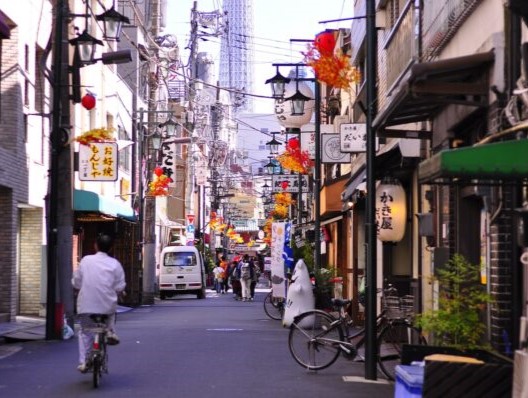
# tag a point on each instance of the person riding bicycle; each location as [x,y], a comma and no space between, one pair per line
[100,279]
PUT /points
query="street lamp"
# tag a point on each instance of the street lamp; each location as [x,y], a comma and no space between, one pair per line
[59,198]
[112,23]
[278,84]
[273,145]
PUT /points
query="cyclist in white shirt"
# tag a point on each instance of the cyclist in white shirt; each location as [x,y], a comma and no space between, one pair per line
[99,279]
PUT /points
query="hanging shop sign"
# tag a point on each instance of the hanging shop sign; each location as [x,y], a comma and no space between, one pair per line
[168,162]
[353,137]
[98,161]
[331,150]
[289,183]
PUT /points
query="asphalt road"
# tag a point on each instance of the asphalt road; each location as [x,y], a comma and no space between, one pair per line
[186,348]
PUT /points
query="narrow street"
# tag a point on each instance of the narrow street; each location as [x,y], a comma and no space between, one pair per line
[184,347]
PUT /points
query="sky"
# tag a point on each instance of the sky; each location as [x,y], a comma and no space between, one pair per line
[275,23]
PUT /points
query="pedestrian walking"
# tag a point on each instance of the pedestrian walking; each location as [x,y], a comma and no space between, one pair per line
[218,273]
[235,282]
[225,266]
[255,278]
[245,272]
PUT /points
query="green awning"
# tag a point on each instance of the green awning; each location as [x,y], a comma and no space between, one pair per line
[507,160]
[91,202]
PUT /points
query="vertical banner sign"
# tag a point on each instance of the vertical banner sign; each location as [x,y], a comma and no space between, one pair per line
[168,161]
[98,161]
[278,280]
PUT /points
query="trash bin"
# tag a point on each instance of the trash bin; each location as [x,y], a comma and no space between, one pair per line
[409,381]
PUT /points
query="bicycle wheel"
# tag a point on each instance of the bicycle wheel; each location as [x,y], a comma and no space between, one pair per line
[314,339]
[273,307]
[390,344]
[96,369]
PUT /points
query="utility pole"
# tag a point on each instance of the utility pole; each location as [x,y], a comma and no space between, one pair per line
[149,219]
[371,354]
[59,299]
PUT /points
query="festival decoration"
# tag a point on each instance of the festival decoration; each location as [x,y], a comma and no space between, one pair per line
[96,135]
[88,101]
[159,186]
[331,66]
[294,158]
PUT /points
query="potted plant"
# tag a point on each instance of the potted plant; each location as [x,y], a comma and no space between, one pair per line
[456,327]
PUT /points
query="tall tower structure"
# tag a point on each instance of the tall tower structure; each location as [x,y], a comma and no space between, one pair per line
[237,51]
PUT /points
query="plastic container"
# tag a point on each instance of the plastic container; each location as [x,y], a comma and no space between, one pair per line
[409,381]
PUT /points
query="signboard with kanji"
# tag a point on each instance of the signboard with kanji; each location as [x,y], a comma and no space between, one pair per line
[98,161]
[354,137]
[289,183]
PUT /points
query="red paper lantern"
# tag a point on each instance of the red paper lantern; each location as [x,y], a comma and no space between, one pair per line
[88,101]
[158,171]
[325,43]
[285,184]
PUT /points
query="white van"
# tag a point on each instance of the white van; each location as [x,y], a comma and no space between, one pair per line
[181,271]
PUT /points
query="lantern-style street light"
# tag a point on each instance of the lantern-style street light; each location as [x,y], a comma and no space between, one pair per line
[298,101]
[278,84]
[85,47]
[112,24]
[273,145]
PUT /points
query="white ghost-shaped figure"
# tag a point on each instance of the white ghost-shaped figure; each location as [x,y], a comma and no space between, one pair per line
[300,297]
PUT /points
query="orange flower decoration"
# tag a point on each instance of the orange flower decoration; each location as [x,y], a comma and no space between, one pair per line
[330,67]
[96,135]
[295,159]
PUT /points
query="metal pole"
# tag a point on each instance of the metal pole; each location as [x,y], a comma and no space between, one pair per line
[371,354]
[317,176]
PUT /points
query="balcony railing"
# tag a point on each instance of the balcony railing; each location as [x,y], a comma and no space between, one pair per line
[441,20]
[401,46]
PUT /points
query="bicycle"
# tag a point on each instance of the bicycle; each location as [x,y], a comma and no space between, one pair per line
[274,306]
[317,338]
[98,356]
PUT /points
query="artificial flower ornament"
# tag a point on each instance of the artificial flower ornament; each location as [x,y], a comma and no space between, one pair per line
[159,186]
[96,135]
[294,158]
[331,67]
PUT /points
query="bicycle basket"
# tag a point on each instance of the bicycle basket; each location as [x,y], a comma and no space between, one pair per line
[392,308]
[407,306]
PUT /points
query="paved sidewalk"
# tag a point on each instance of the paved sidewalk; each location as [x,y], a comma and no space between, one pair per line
[26,328]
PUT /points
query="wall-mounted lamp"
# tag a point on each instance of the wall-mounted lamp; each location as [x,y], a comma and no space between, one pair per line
[112,23]
[85,48]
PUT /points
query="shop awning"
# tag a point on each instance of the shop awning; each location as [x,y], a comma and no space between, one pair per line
[354,183]
[5,32]
[505,160]
[88,201]
[430,86]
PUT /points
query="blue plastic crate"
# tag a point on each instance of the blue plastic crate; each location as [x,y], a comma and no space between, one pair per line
[409,381]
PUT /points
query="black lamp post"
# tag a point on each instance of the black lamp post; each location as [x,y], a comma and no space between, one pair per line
[59,205]
[298,101]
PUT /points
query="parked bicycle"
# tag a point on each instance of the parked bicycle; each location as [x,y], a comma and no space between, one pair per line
[274,306]
[98,357]
[317,338]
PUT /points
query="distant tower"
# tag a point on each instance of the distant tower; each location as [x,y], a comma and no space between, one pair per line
[236,53]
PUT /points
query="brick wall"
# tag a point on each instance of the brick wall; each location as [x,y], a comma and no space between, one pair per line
[8,253]
[30,260]
[500,273]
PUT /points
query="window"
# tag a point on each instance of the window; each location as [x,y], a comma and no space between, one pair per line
[180,259]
